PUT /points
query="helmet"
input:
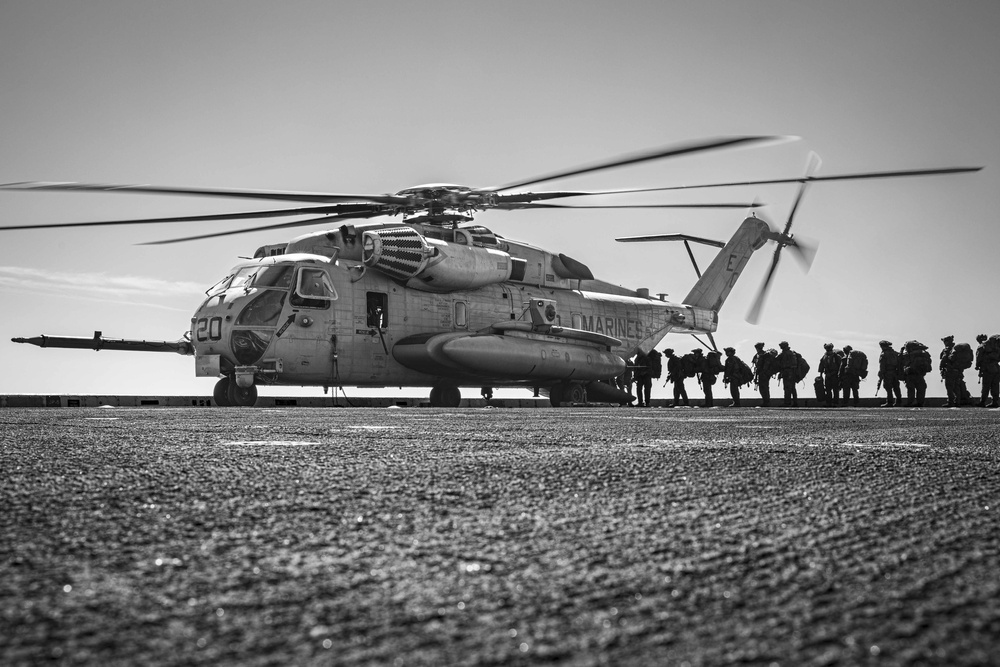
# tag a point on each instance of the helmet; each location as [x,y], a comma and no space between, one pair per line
[948,339]
[696,350]
[759,345]
[669,350]
[783,344]
[848,348]
[730,349]
[981,338]
[827,346]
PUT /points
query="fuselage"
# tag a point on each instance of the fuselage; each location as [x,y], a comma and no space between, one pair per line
[318,315]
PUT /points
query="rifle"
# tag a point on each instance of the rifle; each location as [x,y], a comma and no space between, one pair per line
[878,386]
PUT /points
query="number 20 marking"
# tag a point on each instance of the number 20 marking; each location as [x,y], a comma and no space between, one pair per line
[209,329]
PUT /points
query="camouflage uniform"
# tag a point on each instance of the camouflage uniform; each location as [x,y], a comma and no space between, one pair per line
[788,368]
[729,376]
[850,381]
[713,366]
[763,370]
[916,362]
[643,374]
[951,375]
[829,368]
[988,365]
[675,374]
[888,373]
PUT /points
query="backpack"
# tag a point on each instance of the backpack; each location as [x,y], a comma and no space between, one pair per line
[961,356]
[857,363]
[801,369]
[741,373]
[992,344]
[922,362]
[655,364]
[767,363]
[690,365]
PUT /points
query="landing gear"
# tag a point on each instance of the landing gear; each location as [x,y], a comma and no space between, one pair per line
[221,392]
[567,393]
[445,396]
[227,394]
[242,396]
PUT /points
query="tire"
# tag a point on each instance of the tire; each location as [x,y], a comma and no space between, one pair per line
[576,393]
[556,395]
[246,398]
[221,392]
[445,396]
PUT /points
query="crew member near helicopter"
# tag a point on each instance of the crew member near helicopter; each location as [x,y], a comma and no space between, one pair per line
[642,373]
[675,375]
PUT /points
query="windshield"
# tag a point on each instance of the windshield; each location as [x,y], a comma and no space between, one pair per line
[278,276]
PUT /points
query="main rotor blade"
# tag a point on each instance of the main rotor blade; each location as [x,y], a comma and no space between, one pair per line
[646,156]
[516,207]
[335,209]
[801,179]
[278,195]
[232,232]
[753,315]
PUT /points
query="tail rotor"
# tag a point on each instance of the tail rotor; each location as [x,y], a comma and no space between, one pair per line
[804,252]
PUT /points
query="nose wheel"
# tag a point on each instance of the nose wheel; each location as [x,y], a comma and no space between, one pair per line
[227,394]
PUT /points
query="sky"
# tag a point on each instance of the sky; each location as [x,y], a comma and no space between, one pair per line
[375,97]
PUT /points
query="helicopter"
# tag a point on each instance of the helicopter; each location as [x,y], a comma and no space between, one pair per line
[436,299]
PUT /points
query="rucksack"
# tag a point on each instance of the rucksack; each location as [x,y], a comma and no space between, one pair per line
[857,363]
[922,362]
[993,343]
[655,363]
[801,368]
[767,363]
[961,356]
[690,365]
[742,373]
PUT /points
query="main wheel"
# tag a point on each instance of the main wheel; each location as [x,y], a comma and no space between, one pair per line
[556,395]
[575,393]
[445,396]
[221,392]
[244,397]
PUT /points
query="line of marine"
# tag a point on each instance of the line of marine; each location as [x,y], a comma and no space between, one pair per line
[840,372]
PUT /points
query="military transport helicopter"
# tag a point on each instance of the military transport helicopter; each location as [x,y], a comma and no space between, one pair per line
[433,298]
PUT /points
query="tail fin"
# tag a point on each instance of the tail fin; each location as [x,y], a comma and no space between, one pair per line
[715,284]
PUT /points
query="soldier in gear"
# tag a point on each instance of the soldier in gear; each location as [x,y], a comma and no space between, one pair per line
[888,374]
[917,363]
[713,366]
[763,369]
[950,373]
[850,378]
[829,368]
[675,375]
[988,365]
[642,372]
[731,375]
[788,368]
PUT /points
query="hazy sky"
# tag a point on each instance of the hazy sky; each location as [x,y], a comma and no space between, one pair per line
[378,96]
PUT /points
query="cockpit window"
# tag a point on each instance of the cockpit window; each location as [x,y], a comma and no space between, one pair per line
[313,289]
[278,276]
[219,286]
[242,276]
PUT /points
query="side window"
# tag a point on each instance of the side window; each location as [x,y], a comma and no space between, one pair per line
[313,289]
[378,309]
[461,314]
[577,321]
